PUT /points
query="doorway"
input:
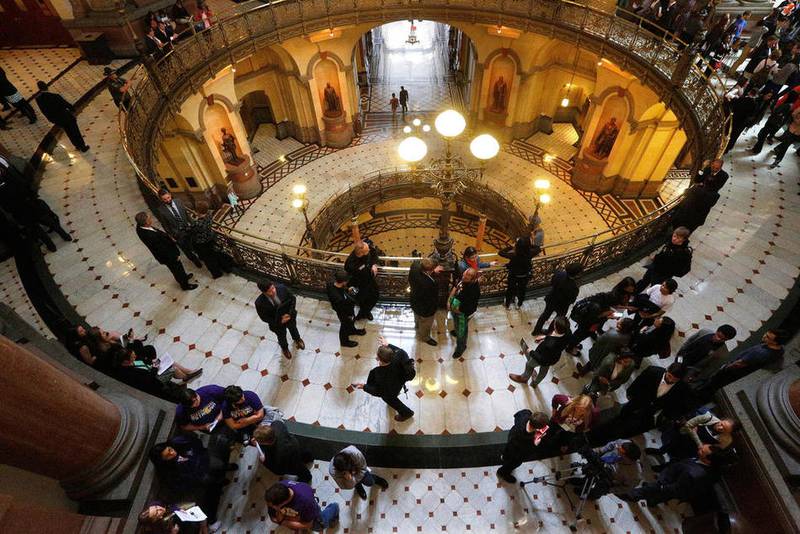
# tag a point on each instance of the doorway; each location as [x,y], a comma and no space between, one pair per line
[256,110]
[25,23]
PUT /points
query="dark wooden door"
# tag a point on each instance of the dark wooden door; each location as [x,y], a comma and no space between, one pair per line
[31,23]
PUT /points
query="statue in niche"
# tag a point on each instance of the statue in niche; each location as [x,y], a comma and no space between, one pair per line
[604,141]
[228,145]
[332,104]
[499,95]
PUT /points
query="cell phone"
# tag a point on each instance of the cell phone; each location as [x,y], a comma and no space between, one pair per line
[523,346]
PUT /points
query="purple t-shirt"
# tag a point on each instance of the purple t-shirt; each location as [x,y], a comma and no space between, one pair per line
[251,405]
[303,505]
[210,406]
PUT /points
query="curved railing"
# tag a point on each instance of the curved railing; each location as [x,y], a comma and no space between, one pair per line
[660,61]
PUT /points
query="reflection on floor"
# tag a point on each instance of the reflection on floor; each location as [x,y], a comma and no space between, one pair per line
[560,143]
[269,147]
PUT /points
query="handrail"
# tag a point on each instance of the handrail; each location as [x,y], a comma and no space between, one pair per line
[627,40]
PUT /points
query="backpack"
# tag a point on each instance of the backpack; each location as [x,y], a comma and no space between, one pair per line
[407,367]
[585,310]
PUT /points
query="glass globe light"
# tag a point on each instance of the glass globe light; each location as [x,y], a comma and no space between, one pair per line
[412,149]
[426,128]
[484,147]
[545,198]
[541,183]
[406,129]
[416,122]
[299,189]
[450,123]
[297,203]
[565,102]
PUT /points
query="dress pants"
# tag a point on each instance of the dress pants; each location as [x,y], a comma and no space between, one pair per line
[424,326]
[176,267]
[398,405]
[280,331]
[549,309]
[532,362]
[367,298]
[26,109]
[74,134]
[185,244]
[516,288]
[346,328]
[786,140]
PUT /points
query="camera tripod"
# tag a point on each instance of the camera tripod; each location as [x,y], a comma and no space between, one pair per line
[558,480]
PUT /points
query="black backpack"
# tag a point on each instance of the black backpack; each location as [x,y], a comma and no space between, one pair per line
[585,310]
[407,366]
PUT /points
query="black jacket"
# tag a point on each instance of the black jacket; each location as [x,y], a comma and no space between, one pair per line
[673,260]
[55,108]
[173,225]
[520,442]
[388,380]
[643,390]
[161,245]
[548,352]
[269,313]
[710,180]
[695,207]
[519,265]
[341,301]
[360,269]
[424,291]
[563,291]
[285,454]
[468,295]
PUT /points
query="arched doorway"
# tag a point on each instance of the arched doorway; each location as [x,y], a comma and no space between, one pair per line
[255,111]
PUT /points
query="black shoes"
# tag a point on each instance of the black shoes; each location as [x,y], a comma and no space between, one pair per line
[380,481]
[508,477]
[85,148]
[400,418]
[360,491]
[189,287]
[432,342]
[349,343]
[360,332]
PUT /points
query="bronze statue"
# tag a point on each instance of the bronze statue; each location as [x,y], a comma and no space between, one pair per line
[332,106]
[499,94]
[604,141]
[229,154]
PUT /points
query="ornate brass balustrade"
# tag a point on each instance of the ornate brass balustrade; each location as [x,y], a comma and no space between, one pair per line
[657,60]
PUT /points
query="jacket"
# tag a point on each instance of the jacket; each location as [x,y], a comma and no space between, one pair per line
[519,265]
[173,225]
[161,245]
[606,369]
[341,300]
[689,355]
[548,352]
[55,108]
[424,291]
[610,342]
[521,444]
[360,269]
[708,419]
[643,390]
[271,314]
[563,291]
[360,469]
[387,380]
[468,296]
[715,181]
[672,260]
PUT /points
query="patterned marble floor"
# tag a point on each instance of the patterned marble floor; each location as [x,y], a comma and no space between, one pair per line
[13,295]
[559,143]
[449,500]
[746,260]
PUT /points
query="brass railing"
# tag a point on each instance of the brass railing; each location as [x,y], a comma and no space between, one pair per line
[659,60]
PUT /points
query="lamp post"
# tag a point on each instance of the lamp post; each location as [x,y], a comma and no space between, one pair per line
[446,175]
[542,187]
[300,202]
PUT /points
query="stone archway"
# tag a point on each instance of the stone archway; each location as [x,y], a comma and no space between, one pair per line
[256,109]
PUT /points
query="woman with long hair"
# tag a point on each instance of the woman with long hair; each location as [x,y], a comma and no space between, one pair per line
[573,415]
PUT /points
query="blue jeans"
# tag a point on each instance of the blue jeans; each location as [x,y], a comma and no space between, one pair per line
[329,516]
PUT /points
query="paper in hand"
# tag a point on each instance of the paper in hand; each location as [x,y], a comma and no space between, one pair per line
[165,362]
[193,514]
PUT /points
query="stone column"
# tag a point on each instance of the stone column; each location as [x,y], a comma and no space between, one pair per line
[53,425]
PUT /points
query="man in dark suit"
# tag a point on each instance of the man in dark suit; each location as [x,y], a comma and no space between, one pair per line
[176,221]
[276,307]
[388,379]
[343,304]
[531,438]
[62,114]
[712,177]
[163,248]
[424,297]
[362,266]
[563,292]
[656,395]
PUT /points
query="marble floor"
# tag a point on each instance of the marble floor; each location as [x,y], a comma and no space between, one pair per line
[745,261]
[560,143]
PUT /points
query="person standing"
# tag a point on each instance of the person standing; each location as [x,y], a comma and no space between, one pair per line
[462,303]
[61,113]
[673,260]
[693,210]
[10,94]
[343,302]
[388,379]
[546,354]
[276,307]
[712,176]
[118,88]
[394,103]
[362,266]
[404,100]
[705,346]
[742,110]
[349,470]
[790,136]
[163,248]
[293,505]
[531,438]
[563,292]
[519,271]
[424,297]
[768,353]
[202,238]
[177,222]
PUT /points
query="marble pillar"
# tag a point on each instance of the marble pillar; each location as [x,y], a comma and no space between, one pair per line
[53,425]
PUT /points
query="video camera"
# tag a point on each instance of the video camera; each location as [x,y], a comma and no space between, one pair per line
[593,465]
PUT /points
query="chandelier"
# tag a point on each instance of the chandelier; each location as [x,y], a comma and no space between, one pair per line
[412,35]
[447,176]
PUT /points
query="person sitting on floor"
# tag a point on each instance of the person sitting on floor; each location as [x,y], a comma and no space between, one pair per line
[293,505]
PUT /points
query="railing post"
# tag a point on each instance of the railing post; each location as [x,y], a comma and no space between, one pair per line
[481,231]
